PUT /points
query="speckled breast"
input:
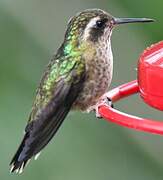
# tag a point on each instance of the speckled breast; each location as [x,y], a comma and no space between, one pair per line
[98,78]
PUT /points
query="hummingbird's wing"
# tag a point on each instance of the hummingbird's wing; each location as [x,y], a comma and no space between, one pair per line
[59,88]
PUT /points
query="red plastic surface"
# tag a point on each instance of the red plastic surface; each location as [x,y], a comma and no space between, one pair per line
[150,75]
[123,119]
[150,86]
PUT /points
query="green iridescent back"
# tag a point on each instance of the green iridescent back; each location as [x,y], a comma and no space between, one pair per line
[56,70]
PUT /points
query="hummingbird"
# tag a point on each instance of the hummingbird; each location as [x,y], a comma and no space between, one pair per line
[77,76]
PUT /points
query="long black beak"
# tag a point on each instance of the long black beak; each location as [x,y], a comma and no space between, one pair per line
[117,21]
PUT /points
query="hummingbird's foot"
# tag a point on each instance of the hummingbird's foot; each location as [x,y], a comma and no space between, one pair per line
[109,102]
[104,100]
[94,108]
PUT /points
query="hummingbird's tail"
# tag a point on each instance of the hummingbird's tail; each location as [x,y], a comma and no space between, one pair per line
[36,139]
[15,164]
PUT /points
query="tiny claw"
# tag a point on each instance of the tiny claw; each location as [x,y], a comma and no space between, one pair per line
[98,115]
[109,102]
[95,109]
[102,101]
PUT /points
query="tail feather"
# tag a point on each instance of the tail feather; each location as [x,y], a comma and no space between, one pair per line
[32,144]
[16,165]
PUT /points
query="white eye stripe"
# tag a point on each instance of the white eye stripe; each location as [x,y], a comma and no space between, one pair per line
[91,23]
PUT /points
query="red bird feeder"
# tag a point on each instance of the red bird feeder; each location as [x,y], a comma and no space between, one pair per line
[150,87]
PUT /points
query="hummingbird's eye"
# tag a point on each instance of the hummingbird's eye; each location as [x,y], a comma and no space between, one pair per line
[101,23]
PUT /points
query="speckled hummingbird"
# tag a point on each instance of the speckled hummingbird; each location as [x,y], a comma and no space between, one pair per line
[77,76]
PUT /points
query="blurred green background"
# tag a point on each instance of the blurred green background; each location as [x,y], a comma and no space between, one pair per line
[85,147]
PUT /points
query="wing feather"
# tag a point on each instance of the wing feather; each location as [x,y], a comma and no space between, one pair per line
[40,131]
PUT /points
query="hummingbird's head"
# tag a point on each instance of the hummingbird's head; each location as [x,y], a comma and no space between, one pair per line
[95,24]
